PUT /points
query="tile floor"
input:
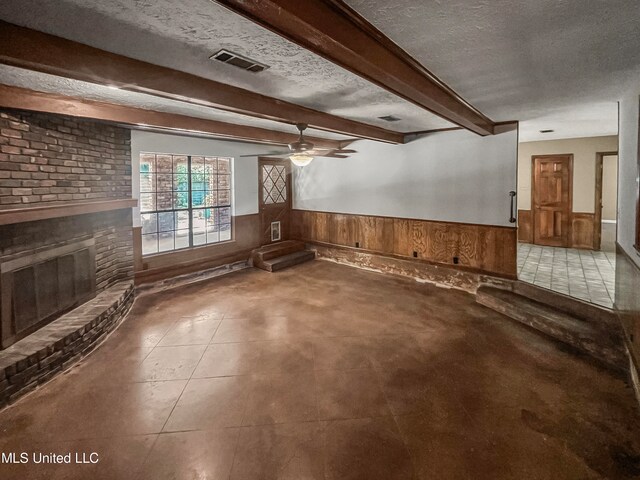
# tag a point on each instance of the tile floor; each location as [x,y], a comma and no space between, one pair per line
[328,372]
[583,274]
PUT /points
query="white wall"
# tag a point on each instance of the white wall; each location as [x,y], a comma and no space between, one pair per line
[245,170]
[628,173]
[452,176]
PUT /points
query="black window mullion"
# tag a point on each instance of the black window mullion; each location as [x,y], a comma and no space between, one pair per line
[189,201]
[210,187]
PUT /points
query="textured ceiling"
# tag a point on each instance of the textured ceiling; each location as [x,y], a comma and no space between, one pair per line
[552,64]
[52,84]
[184,34]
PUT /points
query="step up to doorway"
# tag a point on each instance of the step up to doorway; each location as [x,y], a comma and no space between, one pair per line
[281,255]
[589,312]
[600,340]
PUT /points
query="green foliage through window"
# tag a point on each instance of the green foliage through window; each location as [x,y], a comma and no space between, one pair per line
[185,201]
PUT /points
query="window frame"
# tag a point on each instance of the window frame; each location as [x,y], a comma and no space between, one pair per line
[190,209]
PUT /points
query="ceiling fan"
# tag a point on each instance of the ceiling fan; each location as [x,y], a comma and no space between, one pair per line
[302,152]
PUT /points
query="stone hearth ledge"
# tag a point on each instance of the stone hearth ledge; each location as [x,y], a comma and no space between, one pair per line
[57,346]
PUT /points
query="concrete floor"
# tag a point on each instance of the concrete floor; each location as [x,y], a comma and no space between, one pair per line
[584,274]
[327,372]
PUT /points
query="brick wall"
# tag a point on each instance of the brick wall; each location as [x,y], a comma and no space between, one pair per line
[55,158]
[48,158]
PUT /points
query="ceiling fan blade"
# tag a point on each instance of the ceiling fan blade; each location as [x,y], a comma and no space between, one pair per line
[265,154]
[314,151]
[343,150]
[303,147]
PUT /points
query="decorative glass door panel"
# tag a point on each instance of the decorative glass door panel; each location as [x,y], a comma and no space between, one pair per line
[275,198]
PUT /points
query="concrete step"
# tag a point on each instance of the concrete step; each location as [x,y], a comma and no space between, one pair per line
[604,345]
[572,306]
[277,250]
[278,263]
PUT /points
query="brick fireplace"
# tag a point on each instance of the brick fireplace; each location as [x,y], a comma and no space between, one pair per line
[87,253]
[65,235]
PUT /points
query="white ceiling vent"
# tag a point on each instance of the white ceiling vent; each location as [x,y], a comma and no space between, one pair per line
[390,118]
[239,61]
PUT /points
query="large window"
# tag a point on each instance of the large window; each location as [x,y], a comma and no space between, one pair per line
[185,201]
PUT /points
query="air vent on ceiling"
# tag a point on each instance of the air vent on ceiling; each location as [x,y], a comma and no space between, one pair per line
[239,61]
[389,118]
[547,131]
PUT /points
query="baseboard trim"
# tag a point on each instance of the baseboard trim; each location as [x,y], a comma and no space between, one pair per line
[438,275]
[191,278]
[423,261]
[155,275]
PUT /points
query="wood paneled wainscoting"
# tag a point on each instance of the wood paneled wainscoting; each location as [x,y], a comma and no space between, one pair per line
[479,248]
[525,232]
[160,266]
[582,229]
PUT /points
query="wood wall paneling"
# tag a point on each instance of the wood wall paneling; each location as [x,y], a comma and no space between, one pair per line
[345,230]
[483,248]
[582,230]
[525,234]
[408,237]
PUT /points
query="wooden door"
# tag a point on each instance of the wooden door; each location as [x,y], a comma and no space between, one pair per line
[274,186]
[551,199]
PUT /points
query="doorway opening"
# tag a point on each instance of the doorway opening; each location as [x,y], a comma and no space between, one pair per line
[606,204]
[567,232]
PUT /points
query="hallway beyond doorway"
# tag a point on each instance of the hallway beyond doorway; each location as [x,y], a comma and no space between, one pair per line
[583,274]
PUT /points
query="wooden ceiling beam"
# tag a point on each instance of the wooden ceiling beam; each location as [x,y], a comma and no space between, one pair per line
[25,99]
[333,30]
[33,50]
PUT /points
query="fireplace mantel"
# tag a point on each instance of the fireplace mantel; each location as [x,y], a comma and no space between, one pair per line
[43,212]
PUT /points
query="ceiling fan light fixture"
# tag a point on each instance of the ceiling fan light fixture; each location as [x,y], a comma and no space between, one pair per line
[301,159]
